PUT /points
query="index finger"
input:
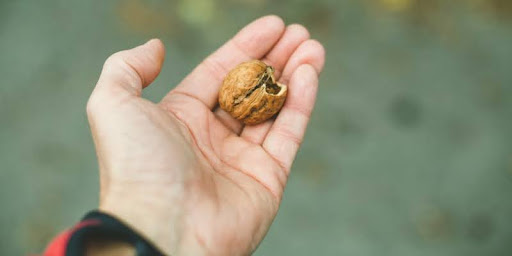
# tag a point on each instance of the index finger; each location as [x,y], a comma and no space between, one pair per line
[252,42]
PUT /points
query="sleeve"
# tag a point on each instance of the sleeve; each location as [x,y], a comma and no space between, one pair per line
[98,225]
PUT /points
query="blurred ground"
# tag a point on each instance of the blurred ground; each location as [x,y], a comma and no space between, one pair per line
[409,151]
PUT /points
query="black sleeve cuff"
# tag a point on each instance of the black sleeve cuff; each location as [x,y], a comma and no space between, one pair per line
[107,227]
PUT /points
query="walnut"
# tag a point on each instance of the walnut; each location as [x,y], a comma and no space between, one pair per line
[251,94]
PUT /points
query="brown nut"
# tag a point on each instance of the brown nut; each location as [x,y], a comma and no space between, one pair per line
[251,94]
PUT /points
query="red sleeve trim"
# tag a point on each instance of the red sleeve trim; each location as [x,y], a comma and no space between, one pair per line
[59,244]
[96,224]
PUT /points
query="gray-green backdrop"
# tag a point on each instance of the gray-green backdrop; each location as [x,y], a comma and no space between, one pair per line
[410,147]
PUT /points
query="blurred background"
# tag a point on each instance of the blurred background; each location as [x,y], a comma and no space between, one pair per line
[410,147]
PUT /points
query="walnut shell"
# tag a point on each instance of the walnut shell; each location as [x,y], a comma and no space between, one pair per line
[251,94]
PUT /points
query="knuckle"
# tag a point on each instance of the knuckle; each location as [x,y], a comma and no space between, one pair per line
[126,64]
[92,105]
[113,60]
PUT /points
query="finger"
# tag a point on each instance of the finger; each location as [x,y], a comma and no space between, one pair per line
[309,52]
[286,134]
[252,42]
[131,70]
[293,36]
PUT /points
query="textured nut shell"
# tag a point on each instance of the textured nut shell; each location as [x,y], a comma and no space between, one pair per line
[256,107]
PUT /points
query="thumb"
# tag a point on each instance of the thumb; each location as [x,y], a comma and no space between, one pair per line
[131,70]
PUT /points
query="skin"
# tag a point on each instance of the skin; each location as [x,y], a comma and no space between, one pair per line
[182,172]
[109,248]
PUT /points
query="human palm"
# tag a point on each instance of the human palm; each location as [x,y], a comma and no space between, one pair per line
[183,172]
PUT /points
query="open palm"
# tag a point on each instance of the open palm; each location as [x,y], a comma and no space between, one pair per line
[183,172]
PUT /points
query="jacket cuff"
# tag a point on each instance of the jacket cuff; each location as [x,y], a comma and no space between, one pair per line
[99,226]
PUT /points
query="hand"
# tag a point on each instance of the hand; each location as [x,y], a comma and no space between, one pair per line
[182,172]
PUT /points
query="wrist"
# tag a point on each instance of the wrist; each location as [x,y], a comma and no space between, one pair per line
[146,215]
[158,229]
[97,247]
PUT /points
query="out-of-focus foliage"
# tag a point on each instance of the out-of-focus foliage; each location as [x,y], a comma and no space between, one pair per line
[410,147]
